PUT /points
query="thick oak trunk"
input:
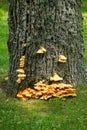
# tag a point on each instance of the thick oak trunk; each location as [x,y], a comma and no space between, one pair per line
[53,24]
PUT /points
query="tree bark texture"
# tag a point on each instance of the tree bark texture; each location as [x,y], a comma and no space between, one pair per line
[53,24]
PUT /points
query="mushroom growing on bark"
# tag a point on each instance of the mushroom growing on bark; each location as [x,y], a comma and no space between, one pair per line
[21,75]
[55,78]
[20,71]
[42,50]
[62,58]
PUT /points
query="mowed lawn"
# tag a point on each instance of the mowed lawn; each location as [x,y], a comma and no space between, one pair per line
[53,114]
[66,114]
[3,40]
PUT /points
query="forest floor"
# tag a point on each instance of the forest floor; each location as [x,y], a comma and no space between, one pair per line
[53,114]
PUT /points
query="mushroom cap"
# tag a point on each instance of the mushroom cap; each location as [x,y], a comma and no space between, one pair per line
[23,57]
[18,80]
[42,50]
[64,86]
[26,93]
[67,95]
[21,75]
[20,71]
[45,96]
[40,85]
[19,94]
[21,65]
[62,58]
[56,77]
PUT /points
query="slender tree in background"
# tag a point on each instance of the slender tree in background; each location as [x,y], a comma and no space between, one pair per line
[55,25]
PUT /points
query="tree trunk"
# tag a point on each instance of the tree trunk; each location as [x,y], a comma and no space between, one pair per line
[55,25]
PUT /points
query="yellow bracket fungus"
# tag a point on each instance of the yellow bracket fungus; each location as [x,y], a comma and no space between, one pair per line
[62,58]
[56,77]
[42,50]
[20,71]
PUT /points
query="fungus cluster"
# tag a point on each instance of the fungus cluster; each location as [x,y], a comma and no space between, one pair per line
[20,71]
[41,90]
[22,61]
[44,91]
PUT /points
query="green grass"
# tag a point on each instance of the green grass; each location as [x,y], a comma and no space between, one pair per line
[84,12]
[3,40]
[84,6]
[85,37]
[69,114]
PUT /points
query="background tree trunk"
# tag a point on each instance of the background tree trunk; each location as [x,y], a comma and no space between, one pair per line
[53,24]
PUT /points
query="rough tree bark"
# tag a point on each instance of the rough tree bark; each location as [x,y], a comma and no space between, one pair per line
[53,24]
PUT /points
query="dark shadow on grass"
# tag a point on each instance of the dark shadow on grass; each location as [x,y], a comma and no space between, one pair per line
[3,89]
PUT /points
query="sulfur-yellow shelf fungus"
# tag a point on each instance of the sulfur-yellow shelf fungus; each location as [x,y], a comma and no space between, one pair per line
[45,97]
[20,95]
[45,91]
[21,65]
[22,58]
[18,80]
[40,85]
[63,85]
[21,75]
[56,78]
[62,58]
[42,50]
[22,61]
[20,71]
[27,93]
[68,95]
